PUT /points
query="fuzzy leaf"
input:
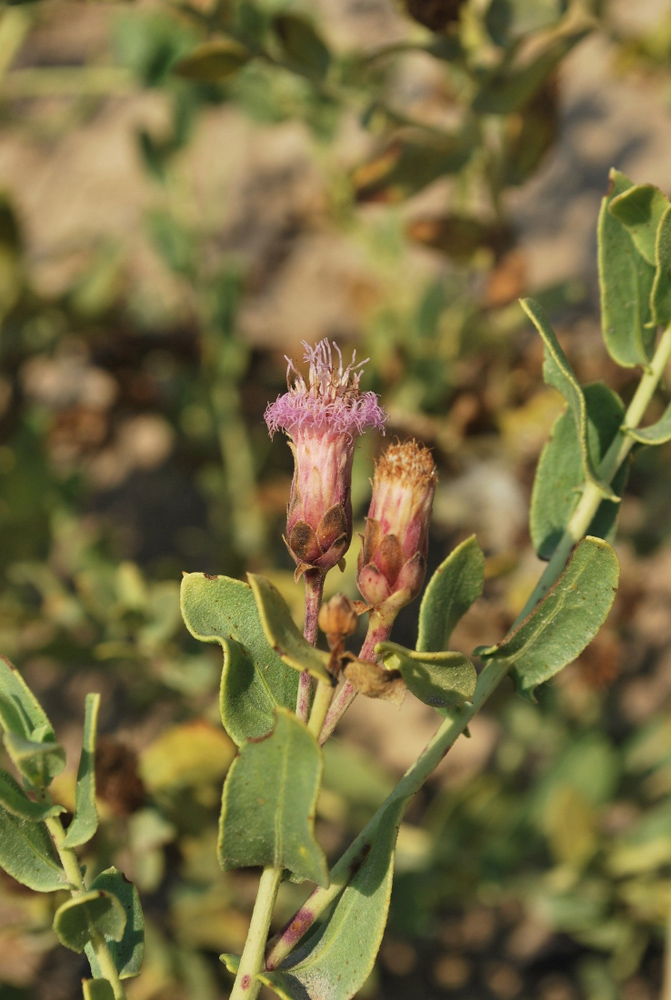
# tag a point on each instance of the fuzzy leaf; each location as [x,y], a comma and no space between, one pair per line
[442,680]
[27,854]
[626,282]
[640,209]
[336,961]
[558,373]
[660,300]
[15,801]
[566,620]
[559,474]
[453,588]
[254,681]
[97,989]
[657,433]
[269,801]
[85,821]
[77,920]
[214,61]
[128,952]
[282,632]
[302,47]
[29,737]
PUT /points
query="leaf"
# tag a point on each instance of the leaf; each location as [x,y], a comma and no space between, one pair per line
[336,961]
[459,236]
[269,801]
[640,209]
[302,46]
[373,681]
[453,588]
[214,61]
[506,20]
[442,680]
[657,433]
[254,681]
[85,821]
[625,282]
[128,952]
[14,800]
[28,855]
[559,474]
[558,373]
[97,989]
[660,299]
[282,633]
[78,919]
[26,725]
[565,620]
[188,755]
[505,90]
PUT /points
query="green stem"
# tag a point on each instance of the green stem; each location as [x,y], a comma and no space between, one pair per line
[247,986]
[320,706]
[73,871]
[666,983]
[490,677]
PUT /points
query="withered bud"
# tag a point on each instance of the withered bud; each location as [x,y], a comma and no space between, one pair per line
[374,681]
[392,561]
[338,619]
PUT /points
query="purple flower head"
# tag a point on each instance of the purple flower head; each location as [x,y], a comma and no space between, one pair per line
[322,417]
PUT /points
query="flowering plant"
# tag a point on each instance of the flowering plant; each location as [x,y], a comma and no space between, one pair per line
[282,695]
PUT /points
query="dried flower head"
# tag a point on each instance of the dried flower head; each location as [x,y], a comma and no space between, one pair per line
[322,417]
[392,562]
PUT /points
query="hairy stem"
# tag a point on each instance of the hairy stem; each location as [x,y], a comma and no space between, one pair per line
[314,591]
[488,680]
[246,985]
[377,632]
[76,879]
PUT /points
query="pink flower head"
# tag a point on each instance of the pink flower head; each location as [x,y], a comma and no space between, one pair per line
[392,562]
[322,417]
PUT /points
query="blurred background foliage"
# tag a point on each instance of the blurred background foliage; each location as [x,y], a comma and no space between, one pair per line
[191,188]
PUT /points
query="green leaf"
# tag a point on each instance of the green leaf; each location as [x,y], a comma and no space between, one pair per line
[14,800]
[560,475]
[128,952]
[283,634]
[85,821]
[657,433]
[506,20]
[269,800]
[453,588]
[442,680]
[660,299]
[27,854]
[640,209]
[212,62]
[626,282]
[566,620]
[29,736]
[255,681]
[558,373]
[97,989]
[302,46]
[336,961]
[78,919]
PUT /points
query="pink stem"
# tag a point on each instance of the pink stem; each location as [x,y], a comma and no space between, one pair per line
[377,632]
[314,590]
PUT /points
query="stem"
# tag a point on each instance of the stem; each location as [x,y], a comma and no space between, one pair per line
[411,782]
[489,679]
[377,632]
[666,982]
[246,985]
[314,591]
[320,707]
[74,874]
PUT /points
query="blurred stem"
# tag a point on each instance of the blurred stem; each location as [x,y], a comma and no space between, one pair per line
[666,983]
[377,632]
[15,24]
[76,879]
[320,707]
[488,680]
[246,985]
[89,81]
[314,592]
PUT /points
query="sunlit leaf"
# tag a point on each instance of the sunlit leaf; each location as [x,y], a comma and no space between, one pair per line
[128,951]
[302,46]
[453,588]
[213,61]
[442,680]
[27,854]
[14,800]
[29,736]
[97,989]
[85,821]
[78,919]
[640,209]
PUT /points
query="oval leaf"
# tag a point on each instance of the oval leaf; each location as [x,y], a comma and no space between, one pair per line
[559,474]
[660,300]
[85,821]
[77,920]
[14,800]
[625,282]
[29,736]
[213,61]
[640,209]
[442,680]
[302,46]
[255,681]
[127,954]
[566,620]
[282,632]
[269,801]
[335,963]
[28,855]
[558,373]
[657,433]
[453,588]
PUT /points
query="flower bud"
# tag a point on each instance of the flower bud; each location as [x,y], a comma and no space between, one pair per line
[322,418]
[338,619]
[392,562]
